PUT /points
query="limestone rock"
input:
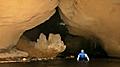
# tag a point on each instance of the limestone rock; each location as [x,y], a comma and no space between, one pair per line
[43,48]
[14,53]
[98,18]
[16,16]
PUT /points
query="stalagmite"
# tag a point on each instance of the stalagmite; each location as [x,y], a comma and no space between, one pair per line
[43,48]
[42,43]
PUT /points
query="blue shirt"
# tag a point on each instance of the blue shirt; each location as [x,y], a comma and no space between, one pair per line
[82,55]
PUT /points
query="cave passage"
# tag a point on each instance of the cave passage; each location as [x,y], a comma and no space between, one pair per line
[74,44]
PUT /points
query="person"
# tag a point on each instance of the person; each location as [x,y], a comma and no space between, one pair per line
[82,56]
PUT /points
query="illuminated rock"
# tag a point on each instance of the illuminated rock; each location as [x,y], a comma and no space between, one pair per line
[98,18]
[43,48]
[17,16]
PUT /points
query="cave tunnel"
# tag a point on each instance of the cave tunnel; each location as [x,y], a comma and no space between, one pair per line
[55,24]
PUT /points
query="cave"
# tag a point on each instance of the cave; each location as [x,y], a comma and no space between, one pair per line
[74,43]
[59,33]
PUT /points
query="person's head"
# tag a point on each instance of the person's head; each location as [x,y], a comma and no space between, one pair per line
[82,51]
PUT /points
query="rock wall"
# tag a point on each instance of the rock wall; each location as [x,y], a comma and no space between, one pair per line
[98,18]
[16,16]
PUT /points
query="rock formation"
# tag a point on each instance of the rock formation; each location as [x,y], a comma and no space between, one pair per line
[17,16]
[43,48]
[89,18]
[94,18]
[14,53]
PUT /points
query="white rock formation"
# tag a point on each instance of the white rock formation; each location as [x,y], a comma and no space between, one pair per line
[43,48]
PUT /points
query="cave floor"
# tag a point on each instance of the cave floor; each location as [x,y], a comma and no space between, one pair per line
[66,63]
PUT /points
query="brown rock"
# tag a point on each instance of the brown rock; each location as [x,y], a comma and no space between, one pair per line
[99,18]
[13,54]
[16,16]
